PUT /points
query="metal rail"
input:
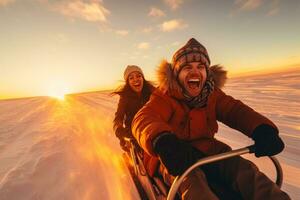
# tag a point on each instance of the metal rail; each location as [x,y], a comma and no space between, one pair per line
[250,149]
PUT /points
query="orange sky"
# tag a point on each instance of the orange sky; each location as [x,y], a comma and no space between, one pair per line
[55,47]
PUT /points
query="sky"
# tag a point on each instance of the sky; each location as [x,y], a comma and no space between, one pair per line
[49,47]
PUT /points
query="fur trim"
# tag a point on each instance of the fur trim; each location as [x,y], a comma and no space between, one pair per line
[167,81]
[219,75]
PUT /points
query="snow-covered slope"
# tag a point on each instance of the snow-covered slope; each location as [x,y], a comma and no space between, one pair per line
[51,149]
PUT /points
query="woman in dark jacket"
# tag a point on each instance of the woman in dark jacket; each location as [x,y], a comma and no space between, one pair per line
[133,95]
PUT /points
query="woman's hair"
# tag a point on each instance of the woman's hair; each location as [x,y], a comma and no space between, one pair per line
[126,89]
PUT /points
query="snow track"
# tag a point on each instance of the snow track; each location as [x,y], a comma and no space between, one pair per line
[51,149]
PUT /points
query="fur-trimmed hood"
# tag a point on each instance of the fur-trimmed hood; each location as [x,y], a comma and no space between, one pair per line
[168,83]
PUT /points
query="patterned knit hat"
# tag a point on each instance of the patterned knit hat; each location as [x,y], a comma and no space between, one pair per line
[192,51]
[131,68]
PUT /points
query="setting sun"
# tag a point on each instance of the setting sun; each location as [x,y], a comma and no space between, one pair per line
[60,96]
[58,90]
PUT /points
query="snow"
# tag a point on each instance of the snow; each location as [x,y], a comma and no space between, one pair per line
[277,97]
[53,149]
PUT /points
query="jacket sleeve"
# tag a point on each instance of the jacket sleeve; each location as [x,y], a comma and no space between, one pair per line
[150,121]
[118,126]
[237,115]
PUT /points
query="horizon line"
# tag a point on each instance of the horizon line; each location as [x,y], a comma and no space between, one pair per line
[233,76]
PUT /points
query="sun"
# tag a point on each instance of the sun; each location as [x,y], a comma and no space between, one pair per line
[59,96]
[58,90]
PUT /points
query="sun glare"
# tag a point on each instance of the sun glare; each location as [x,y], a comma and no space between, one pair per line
[58,96]
[58,91]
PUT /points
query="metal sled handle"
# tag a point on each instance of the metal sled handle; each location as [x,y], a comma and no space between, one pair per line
[133,155]
[250,149]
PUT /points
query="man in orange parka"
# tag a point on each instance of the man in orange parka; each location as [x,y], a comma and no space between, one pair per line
[177,127]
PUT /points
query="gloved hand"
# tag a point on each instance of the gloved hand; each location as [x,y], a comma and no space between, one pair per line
[122,132]
[267,141]
[124,145]
[175,154]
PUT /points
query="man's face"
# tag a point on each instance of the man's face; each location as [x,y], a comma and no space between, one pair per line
[136,81]
[192,77]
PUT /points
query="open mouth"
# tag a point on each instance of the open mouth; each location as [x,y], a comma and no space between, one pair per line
[193,83]
[137,84]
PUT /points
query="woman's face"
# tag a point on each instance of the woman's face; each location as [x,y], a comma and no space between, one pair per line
[136,81]
[192,77]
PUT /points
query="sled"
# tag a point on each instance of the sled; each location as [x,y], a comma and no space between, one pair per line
[153,188]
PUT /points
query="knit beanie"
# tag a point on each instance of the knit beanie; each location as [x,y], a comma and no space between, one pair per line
[132,68]
[192,51]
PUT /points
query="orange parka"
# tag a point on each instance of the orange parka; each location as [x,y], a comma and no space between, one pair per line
[166,111]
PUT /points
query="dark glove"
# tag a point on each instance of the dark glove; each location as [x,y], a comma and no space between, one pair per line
[175,154]
[122,132]
[124,145]
[266,141]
